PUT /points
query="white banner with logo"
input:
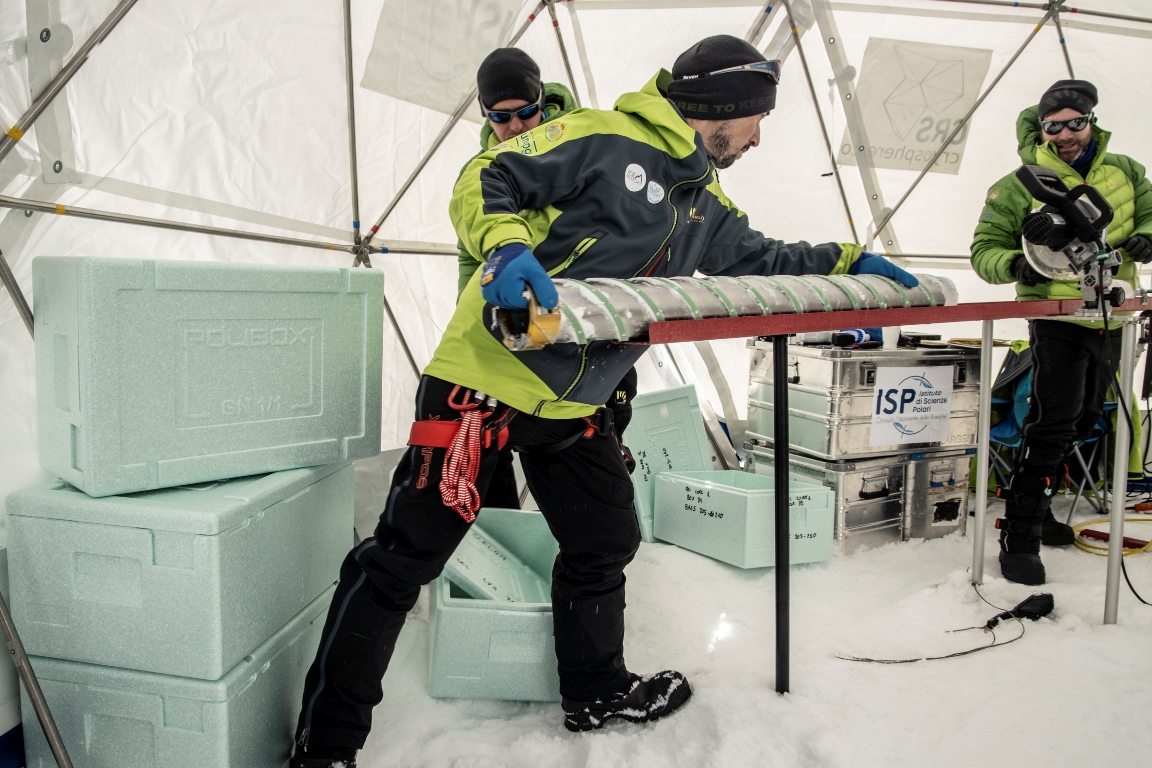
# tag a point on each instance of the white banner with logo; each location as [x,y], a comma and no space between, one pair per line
[911,405]
[912,95]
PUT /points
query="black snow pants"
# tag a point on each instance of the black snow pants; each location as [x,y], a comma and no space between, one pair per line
[585,495]
[1071,377]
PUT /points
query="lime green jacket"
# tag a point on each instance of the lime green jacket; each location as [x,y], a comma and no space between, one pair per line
[997,243]
[619,193]
[558,101]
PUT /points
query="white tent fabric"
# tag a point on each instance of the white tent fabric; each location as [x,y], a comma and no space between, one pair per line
[233,114]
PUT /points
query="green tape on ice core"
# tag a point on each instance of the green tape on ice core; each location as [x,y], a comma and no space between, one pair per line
[787,294]
[724,299]
[903,293]
[875,294]
[637,291]
[687,299]
[581,338]
[834,284]
[621,330]
[820,293]
[928,293]
[758,296]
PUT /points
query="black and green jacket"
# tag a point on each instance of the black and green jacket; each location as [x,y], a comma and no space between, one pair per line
[558,101]
[624,193]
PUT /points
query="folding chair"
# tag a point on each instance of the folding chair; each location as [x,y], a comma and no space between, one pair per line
[1097,439]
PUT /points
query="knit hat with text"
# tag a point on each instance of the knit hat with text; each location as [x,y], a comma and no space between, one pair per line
[726,96]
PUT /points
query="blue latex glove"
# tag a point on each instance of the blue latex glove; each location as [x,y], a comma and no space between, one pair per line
[508,270]
[871,264]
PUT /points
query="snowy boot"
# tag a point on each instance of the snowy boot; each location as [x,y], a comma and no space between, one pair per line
[1026,500]
[644,699]
[1055,533]
[319,757]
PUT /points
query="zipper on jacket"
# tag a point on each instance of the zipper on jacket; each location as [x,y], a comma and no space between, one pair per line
[675,216]
[580,249]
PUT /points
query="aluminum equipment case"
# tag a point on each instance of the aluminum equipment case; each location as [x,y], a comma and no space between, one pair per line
[936,493]
[831,393]
[869,493]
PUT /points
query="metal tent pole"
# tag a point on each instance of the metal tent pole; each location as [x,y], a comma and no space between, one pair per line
[582,54]
[983,449]
[32,685]
[964,120]
[1064,46]
[1120,473]
[563,50]
[759,26]
[823,126]
[17,295]
[351,95]
[783,534]
[1044,7]
[455,118]
[20,203]
[844,75]
[13,135]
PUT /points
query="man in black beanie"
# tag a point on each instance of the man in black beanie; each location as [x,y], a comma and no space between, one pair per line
[1070,374]
[624,193]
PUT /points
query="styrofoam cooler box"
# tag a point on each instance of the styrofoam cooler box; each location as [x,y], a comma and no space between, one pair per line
[729,515]
[11,732]
[153,374]
[491,631]
[666,434]
[184,581]
[114,718]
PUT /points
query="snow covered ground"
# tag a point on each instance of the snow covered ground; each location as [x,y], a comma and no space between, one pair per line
[1072,692]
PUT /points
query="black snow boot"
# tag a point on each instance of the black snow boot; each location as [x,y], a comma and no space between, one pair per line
[1055,533]
[1026,500]
[320,757]
[644,699]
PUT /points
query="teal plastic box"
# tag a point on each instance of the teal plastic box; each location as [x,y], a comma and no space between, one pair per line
[184,581]
[12,740]
[494,646]
[154,374]
[666,434]
[730,516]
[120,718]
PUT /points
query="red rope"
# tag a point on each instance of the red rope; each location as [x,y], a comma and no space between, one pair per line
[462,463]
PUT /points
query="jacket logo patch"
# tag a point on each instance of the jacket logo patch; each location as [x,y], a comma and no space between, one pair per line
[695,217]
[634,178]
[655,192]
[994,194]
[554,131]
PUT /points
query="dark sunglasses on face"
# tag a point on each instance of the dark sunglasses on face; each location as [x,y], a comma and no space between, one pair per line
[1076,124]
[524,113]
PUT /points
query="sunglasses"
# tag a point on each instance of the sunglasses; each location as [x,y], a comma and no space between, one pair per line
[1076,124]
[770,68]
[524,113]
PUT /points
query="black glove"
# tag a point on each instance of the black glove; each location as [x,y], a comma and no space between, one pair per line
[1024,273]
[1139,247]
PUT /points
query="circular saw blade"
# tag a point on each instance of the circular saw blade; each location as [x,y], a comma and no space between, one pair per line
[1052,264]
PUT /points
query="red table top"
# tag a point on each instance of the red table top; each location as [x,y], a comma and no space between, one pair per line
[670,331]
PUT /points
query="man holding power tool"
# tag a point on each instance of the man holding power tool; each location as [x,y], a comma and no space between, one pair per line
[621,193]
[1071,374]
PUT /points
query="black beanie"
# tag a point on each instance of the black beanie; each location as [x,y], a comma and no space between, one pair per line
[508,73]
[1079,95]
[721,97]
